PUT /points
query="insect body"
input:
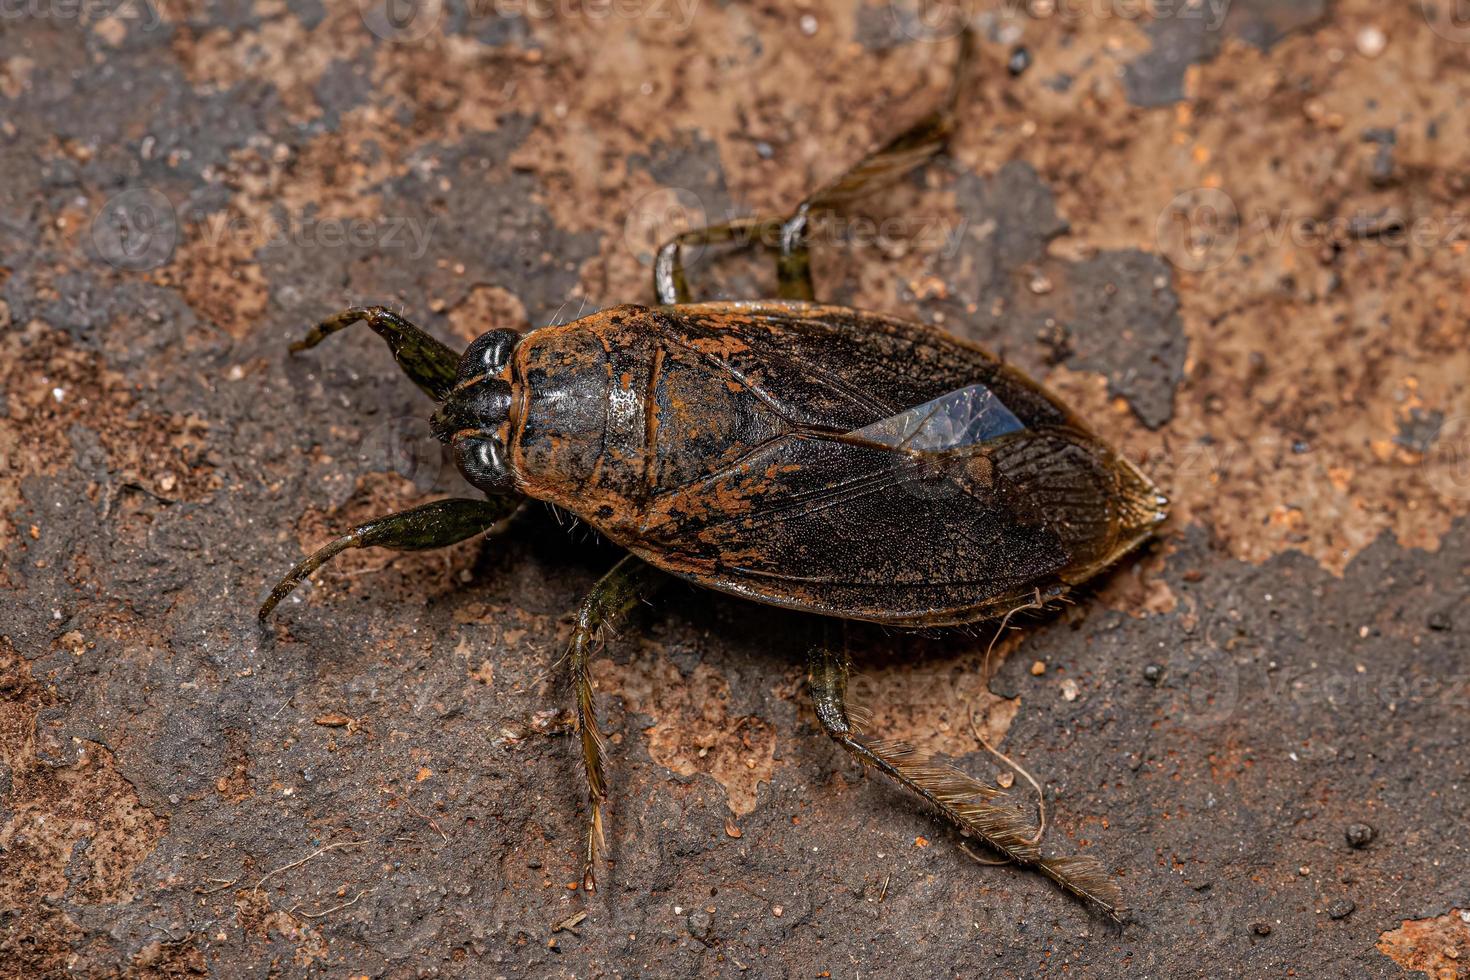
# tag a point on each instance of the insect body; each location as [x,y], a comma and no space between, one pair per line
[808,456]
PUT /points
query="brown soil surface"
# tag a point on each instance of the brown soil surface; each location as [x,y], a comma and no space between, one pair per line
[1234,235]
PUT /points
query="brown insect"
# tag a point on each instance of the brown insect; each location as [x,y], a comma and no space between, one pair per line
[813,457]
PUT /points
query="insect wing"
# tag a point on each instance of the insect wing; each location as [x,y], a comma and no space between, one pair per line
[968,416]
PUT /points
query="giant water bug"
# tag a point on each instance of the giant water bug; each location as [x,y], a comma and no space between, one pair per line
[814,457]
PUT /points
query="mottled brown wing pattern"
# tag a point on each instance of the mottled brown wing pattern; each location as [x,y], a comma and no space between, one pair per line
[824,490]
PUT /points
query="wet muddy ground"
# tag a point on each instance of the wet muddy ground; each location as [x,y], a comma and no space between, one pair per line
[1234,235]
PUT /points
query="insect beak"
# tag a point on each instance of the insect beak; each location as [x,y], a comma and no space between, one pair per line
[474,420]
[482,405]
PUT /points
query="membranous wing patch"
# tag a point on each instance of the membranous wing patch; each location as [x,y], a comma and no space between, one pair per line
[964,417]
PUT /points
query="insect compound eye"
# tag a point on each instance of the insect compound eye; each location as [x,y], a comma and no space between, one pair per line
[488,354]
[482,461]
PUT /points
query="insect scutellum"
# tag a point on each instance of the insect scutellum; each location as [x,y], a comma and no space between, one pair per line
[474,417]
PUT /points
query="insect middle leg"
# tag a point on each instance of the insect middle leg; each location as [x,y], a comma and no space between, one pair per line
[671,285]
[433,525]
[614,596]
[975,808]
[428,363]
[788,236]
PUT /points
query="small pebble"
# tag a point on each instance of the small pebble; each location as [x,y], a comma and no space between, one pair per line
[777,911]
[1380,174]
[808,24]
[1341,908]
[1358,834]
[1153,673]
[1040,284]
[1371,225]
[1019,61]
[1261,928]
[1005,780]
[1038,668]
[1069,690]
[1439,621]
[699,923]
[1371,42]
